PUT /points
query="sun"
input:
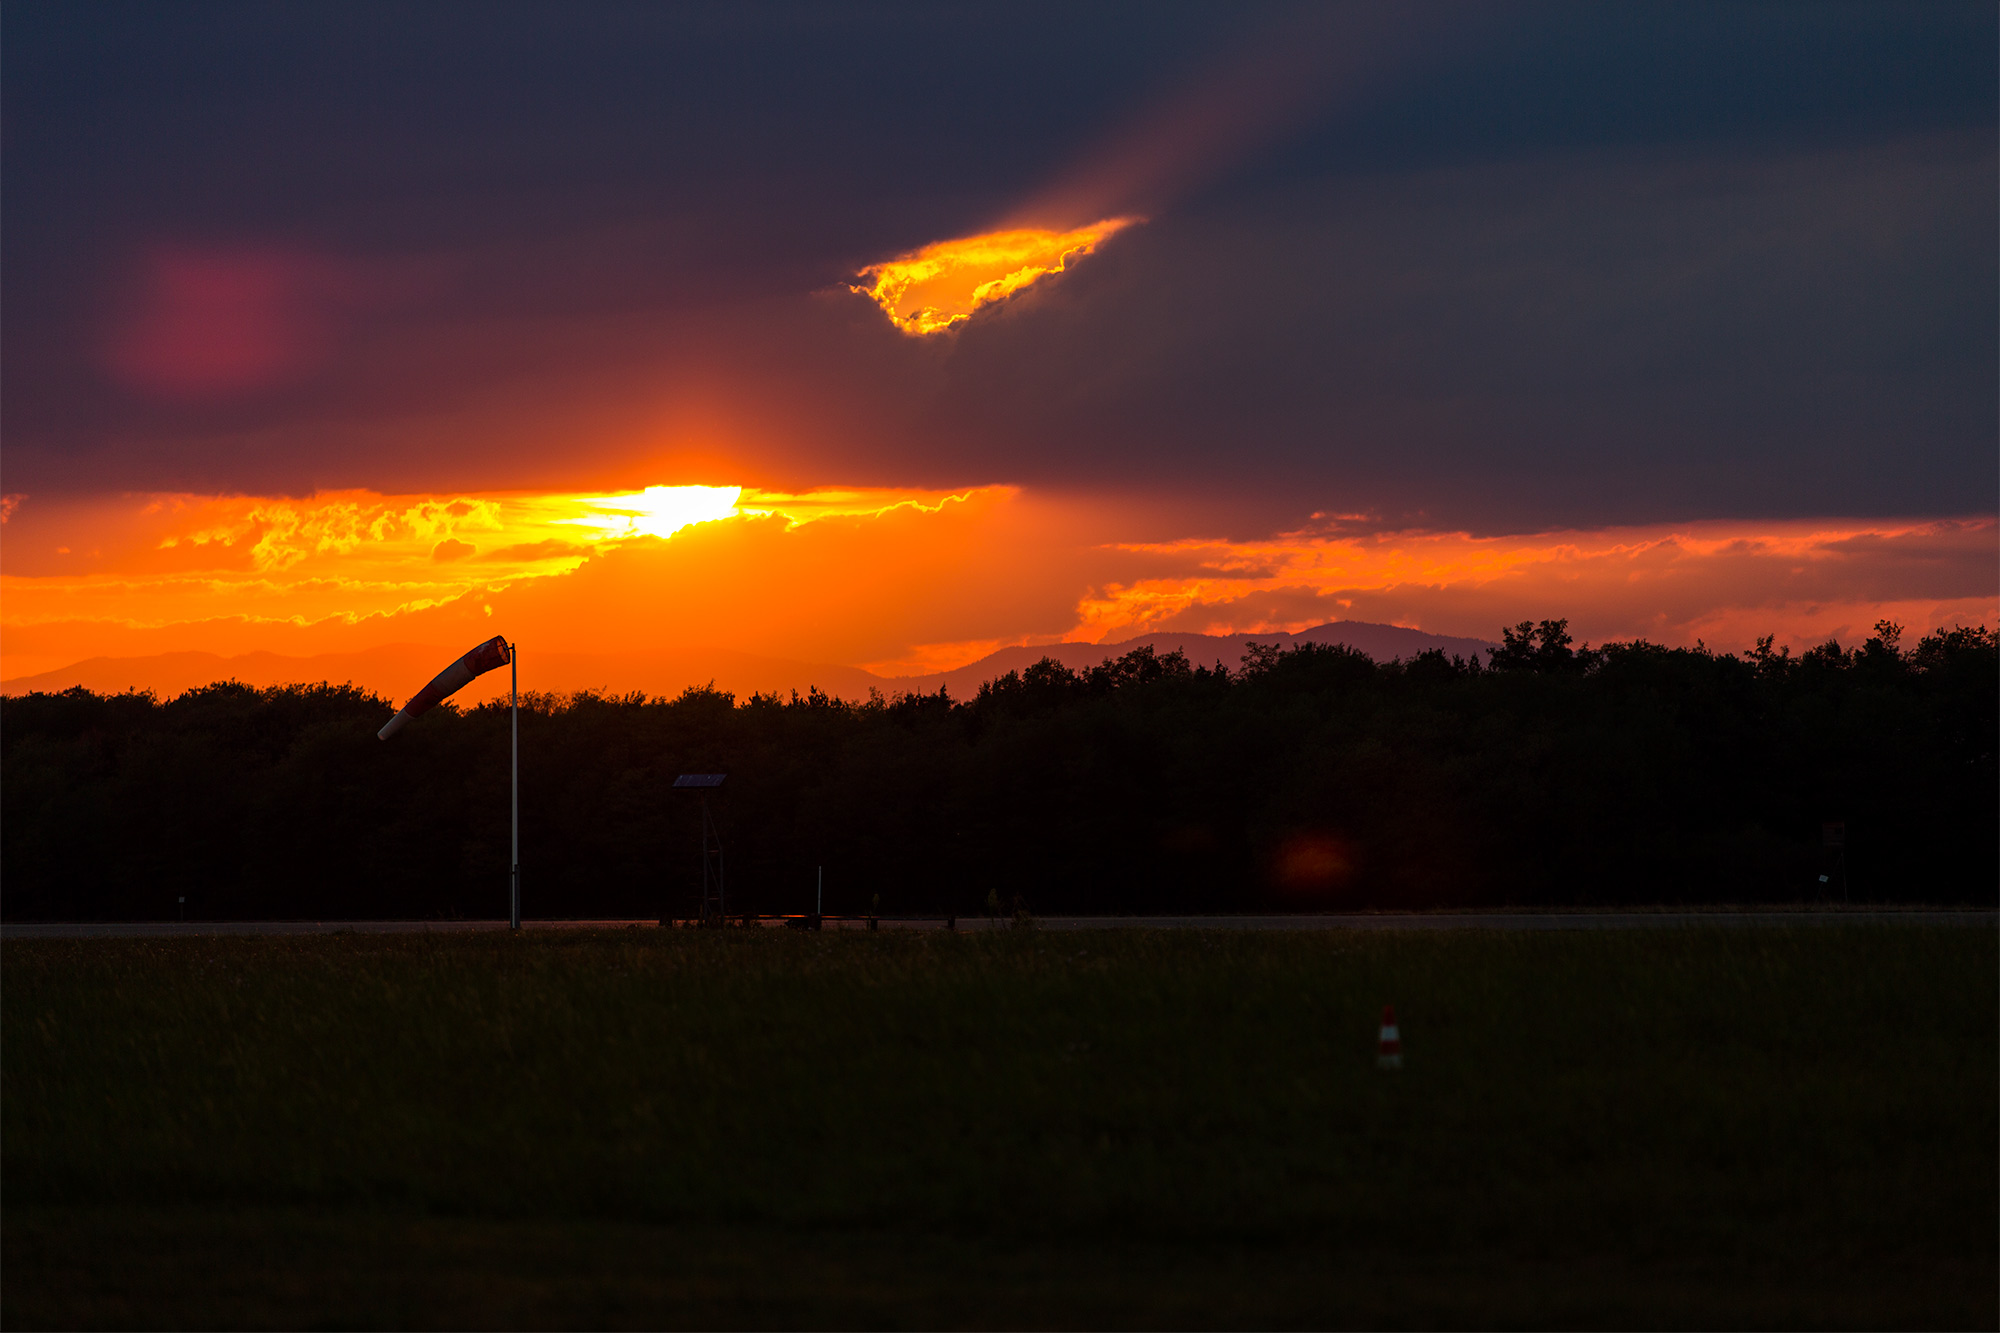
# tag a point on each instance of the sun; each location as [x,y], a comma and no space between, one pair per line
[940,286]
[658,511]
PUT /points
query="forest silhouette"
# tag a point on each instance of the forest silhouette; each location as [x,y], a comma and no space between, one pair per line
[1307,779]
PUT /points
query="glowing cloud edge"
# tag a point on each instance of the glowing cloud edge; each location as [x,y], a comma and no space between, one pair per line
[1009,261]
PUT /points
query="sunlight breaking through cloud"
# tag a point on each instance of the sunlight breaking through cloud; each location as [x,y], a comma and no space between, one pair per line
[657,511]
[942,285]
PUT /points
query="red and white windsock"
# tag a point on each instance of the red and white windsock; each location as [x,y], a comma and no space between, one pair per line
[1391,1054]
[493,653]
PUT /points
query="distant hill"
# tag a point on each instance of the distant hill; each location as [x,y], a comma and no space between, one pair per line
[1381,642]
[398,670]
[168,674]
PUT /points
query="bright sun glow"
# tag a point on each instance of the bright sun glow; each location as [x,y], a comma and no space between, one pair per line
[658,511]
[224,572]
[941,285]
[895,580]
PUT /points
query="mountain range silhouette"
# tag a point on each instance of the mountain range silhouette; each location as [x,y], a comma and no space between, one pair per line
[396,670]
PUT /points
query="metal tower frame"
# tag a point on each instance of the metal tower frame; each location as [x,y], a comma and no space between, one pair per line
[714,894]
[714,889]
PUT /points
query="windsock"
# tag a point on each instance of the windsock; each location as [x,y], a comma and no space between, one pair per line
[1390,1053]
[493,653]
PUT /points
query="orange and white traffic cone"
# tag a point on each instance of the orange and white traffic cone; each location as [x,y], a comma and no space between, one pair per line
[1391,1054]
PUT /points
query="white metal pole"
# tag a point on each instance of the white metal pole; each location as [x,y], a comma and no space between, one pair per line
[514,667]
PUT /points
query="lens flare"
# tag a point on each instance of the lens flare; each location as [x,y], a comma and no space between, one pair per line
[942,285]
[1309,863]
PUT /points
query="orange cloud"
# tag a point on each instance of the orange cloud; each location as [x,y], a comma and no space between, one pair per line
[661,587]
[942,285]
[841,575]
[1723,582]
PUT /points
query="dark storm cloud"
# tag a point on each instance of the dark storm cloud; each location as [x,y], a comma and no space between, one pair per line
[1574,340]
[1510,268]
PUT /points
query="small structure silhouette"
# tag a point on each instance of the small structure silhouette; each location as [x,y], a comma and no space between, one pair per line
[714,894]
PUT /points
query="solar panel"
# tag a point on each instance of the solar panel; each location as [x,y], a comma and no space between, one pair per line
[700,779]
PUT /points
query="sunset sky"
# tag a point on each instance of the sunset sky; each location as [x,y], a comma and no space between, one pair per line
[885,336]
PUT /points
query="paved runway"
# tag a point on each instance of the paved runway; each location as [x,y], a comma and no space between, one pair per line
[79,930]
[1332,921]
[1510,920]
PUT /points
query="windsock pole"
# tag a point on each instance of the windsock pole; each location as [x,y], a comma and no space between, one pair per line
[514,668]
[483,658]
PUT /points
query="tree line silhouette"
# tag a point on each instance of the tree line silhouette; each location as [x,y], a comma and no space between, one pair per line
[1307,779]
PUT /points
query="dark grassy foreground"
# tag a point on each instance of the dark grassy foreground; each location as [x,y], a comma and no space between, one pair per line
[1740,1128]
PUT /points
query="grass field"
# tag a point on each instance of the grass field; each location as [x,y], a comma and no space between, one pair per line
[1756,1127]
